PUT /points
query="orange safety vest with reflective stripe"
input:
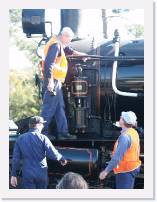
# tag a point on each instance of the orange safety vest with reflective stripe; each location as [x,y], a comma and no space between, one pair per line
[130,159]
[59,70]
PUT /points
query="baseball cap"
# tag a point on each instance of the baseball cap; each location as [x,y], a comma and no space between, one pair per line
[129,117]
[36,120]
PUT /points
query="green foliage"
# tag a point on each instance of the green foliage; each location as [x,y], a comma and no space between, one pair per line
[136,29]
[23,94]
[15,23]
[18,38]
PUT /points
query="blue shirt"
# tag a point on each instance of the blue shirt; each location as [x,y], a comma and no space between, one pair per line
[33,148]
[53,52]
[124,143]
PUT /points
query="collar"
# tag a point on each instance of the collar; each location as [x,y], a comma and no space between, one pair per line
[33,130]
[123,130]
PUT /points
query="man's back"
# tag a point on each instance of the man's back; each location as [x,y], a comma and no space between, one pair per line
[33,148]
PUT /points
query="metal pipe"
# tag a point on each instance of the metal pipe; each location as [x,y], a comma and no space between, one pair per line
[107,58]
[114,71]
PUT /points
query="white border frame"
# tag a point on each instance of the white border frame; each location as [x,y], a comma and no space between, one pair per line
[148,191]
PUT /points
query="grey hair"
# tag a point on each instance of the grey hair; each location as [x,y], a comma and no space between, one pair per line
[68,31]
[72,181]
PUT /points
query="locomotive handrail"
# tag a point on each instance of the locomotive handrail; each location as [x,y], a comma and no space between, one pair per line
[107,58]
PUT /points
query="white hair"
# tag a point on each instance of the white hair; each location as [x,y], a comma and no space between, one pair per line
[68,31]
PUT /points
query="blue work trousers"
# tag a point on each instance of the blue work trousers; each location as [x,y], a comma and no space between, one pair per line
[34,183]
[53,106]
[126,180]
[34,178]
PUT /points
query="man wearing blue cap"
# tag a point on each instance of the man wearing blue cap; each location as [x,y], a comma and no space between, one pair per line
[125,160]
[33,148]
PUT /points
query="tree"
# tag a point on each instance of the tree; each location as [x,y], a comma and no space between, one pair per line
[104,20]
[23,95]
[18,38]
[137,30]
[119,11]
[116,13]
[14,22]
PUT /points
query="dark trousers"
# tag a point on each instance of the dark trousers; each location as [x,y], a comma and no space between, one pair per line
[34,183]
[53,106]
[126,180]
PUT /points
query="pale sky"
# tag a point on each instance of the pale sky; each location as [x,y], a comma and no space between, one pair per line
[135,16]
[92,21]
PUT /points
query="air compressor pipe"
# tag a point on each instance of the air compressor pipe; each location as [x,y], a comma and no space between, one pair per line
[114,71]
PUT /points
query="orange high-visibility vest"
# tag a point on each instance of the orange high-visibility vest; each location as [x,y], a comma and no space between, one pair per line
[59,70]
[130,159]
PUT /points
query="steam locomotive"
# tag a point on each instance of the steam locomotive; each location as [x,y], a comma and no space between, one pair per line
[98,87]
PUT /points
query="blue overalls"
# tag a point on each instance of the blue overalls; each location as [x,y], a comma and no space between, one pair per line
[53,106]
[32,148]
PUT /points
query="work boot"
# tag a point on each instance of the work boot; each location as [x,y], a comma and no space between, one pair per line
[63,136]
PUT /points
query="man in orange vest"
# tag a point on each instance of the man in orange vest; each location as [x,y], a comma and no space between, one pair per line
[125,160]
[54,71]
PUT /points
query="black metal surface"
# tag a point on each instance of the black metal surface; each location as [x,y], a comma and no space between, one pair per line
[130,78]
[33,21]
[71,18]
[81,160]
